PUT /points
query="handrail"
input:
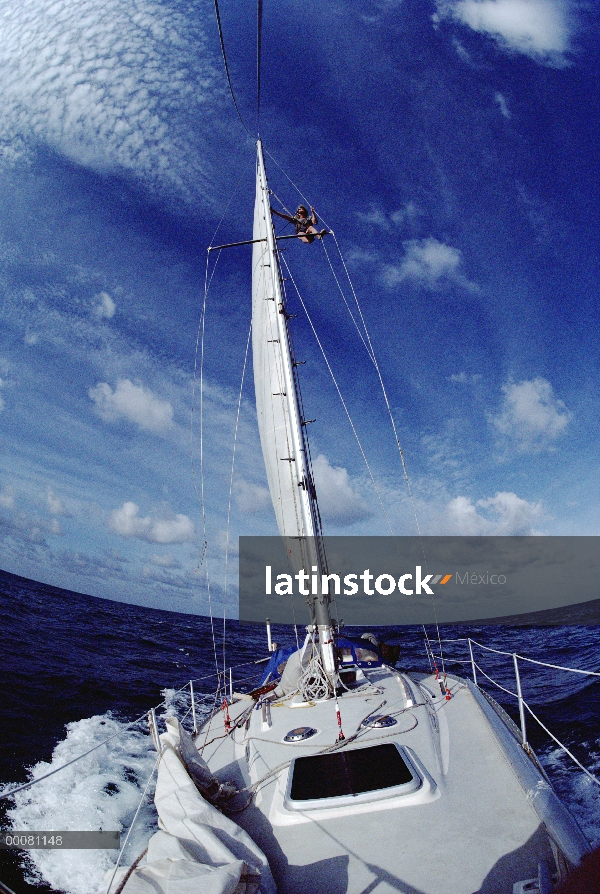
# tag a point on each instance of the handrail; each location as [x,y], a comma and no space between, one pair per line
[519,695]
[514,694]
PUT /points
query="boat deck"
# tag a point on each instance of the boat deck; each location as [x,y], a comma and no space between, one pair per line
[468,826]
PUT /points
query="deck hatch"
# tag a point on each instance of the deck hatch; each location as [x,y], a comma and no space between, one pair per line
[344,774]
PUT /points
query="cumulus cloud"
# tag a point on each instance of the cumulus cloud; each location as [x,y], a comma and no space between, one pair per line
[506,514]
[127,522]
[338,501]
[104,306]
[429,263]
[537,28]
[107,85]
[134,403]
[531,415]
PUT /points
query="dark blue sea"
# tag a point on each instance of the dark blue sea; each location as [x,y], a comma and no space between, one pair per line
[76,669]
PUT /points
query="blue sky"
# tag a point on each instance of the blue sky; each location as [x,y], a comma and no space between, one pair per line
[452,147]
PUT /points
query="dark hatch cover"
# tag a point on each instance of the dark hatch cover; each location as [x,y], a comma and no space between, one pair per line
[348,773]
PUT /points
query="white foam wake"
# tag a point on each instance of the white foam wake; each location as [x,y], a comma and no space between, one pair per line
[99,792]
[577,791]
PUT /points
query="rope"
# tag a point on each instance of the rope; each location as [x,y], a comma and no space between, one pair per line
[314,683]
[224,54]
[129,873]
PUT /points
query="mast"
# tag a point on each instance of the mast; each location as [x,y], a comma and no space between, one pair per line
[281,426]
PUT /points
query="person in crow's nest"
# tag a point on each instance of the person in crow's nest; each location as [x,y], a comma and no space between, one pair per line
[306,227]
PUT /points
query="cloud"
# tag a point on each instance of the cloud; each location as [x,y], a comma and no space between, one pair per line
[134,403]
[531,415]
[7,497]
[169,577]
[164,561]
[127,522]
[375,217]
[104,306]
[429,263]
[407,213]
[55,504]
[24,528]
[105,87]
[499,98]
[462,378]
[251,498]
[506,514]
[537,28]
[339,503]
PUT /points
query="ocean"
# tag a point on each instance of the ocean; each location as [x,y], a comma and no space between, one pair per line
[77,670]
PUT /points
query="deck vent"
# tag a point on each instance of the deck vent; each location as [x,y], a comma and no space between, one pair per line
[379,721]
[299,734]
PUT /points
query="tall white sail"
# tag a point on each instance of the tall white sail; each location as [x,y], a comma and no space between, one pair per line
[279,419]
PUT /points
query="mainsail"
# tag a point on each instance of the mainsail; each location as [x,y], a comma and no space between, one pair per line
[277,407]
[280,422]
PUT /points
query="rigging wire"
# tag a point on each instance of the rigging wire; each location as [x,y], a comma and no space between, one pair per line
[200,337]
[337,387]
[199,367]
[366,339]
[259,12]
[224,54]
[228,530]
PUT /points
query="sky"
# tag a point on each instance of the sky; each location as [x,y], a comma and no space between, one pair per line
[451,145]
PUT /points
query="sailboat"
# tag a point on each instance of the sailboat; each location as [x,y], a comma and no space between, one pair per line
[341,774]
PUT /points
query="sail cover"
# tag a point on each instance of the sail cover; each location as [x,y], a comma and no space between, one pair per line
[279,420]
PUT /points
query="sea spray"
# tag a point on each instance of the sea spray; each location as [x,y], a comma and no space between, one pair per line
[99,792]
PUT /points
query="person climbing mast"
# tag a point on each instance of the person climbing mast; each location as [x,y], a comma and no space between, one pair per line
[306,227]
